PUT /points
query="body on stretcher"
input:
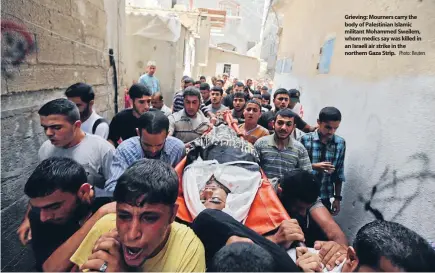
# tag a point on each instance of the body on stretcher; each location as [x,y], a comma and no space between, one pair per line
[266,212]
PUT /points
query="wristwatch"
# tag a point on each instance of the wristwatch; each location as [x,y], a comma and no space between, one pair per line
[338,197]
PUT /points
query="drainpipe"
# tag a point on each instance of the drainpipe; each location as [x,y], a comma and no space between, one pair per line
[115,79]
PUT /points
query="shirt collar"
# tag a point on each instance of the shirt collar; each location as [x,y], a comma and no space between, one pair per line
[271,141]
[316,137]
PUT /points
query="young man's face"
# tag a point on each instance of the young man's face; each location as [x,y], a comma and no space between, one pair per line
[238,89]
[235,80]
[205,94]
[213,196]
[216,97]
[327,129]
[143,230]
[152,144]
[151,70]
[284,126]
[157,103]
[264,101]
[249,83]
[202,80]
[142,105]
[84,108]
[225,78]
[252,113]
[56,208]
[281,101]
[239,104]
[59,130]
[191,105]
[219,84]
[197,85]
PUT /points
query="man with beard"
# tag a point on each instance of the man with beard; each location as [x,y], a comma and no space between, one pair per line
[189,123]
[250,129]
[279,153]
[124,124]
[178,102]
[216,100]
[142,236]
[153,142]
[281,100]
[327,151]
[63,210]
[83,96]
[239,102]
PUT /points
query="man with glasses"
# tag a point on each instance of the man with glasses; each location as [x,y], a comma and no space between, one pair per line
[153,142]
[281,99]
[124,124]
[279,153]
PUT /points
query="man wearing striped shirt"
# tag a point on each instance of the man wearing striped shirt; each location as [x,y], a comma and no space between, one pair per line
[279,153]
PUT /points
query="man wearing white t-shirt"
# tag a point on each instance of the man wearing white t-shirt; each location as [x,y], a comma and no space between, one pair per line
[83,96]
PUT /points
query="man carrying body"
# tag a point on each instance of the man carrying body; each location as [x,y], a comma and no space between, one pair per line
[149,79]
[63,210]
[158,103]
[189,123]
[327,152]
[216,100]
[281,100]
[250,129]
[153,142]
[124,124]
[146,238]
[83,96]
[279,153]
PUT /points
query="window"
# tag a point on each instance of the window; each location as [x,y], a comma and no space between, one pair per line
[325,56]
[227,69]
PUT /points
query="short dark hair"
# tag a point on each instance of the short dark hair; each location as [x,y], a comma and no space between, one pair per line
[280,91]
[401,246]
[218,89]
[204,86]
[202,78]
[222,81]
[149,180]
[198,82]
[285,113]
[264,88]
[154,122]
[242,257]
[191,91]
[256,96]
[299,185]
[55,173]
[138,90]
[62,107]
[82,90]
[329,114]
[265,96]
[239,95]
[254,102]
[239,84]
[188,80]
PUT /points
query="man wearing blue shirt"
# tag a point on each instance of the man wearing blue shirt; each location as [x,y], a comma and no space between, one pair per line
[149,79]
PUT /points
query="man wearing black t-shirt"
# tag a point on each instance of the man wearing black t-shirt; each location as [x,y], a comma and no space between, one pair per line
[124,124]
[63,211]
[281,99]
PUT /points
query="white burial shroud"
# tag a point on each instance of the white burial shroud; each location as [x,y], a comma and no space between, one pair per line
[242,183]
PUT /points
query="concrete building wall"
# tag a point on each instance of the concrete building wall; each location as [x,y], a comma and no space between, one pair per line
[57,63]
[169,58]
[248,66]
[387,107]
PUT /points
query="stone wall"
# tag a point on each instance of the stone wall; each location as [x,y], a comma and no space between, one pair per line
[71,45]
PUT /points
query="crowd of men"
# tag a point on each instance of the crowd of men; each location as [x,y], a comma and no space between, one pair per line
[103,197]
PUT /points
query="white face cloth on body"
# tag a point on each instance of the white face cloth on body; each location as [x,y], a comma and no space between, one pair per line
[242,183]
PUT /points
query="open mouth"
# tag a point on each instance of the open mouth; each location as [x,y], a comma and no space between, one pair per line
[132,253]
